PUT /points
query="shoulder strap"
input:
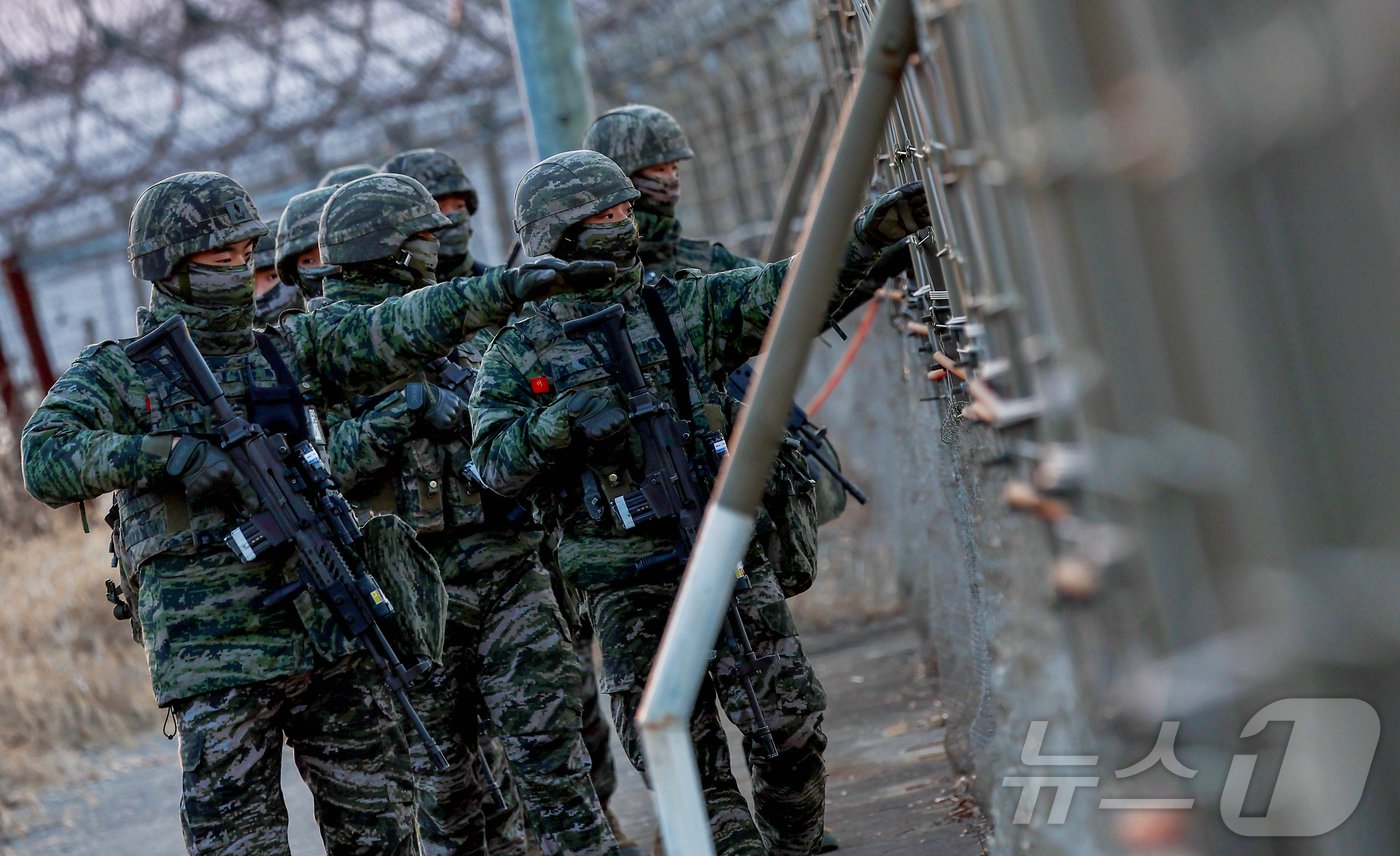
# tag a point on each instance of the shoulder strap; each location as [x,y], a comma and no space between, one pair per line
[680,378]
[274,359]
[284,409]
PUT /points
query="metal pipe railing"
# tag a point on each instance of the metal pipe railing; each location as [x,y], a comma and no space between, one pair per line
[707,586]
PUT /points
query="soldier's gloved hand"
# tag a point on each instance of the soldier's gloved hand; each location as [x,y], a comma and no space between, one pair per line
[202,467]
[549,276]
[892,261]
[596,415]
[897,214]
[438,407]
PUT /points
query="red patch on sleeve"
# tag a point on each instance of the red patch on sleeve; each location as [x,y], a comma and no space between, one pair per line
[148,404]
[539,384]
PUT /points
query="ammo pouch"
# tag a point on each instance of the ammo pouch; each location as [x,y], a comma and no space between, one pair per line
[411,580]
[790,534]
[830,496]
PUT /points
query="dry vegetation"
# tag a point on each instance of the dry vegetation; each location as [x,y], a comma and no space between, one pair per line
[70,676]
[71,679]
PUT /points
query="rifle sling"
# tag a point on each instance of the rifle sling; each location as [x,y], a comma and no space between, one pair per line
[680,388]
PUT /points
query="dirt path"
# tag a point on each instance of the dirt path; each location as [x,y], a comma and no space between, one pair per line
[889,790]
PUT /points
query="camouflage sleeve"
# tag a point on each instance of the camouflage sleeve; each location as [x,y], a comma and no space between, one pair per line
[360,447]
[502,405]
[722,258]
[737,304]
[353,349]
[83,442]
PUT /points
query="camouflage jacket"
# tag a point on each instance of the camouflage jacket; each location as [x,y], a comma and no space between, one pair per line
[99,428]
[386,462]
[720,320]
[664,252]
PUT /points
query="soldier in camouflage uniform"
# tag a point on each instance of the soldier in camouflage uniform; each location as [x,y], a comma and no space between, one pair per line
[345,174]
[239,679]
[548,425]
[448,182]
[271,296]
[649,144]
[406,451]
[298,256]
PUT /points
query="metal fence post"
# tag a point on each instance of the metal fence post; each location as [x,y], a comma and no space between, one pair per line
[553,75]
[707,586]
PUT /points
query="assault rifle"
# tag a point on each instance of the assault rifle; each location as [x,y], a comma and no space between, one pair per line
[299,509]
[811,438]
[676,482]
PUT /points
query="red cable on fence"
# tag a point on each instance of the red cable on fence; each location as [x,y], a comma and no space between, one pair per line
[846,359]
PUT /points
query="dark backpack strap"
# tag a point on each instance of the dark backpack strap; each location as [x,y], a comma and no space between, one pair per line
[661,320]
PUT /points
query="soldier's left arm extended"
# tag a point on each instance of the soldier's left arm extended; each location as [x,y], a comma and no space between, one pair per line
[737,305]
[353,349]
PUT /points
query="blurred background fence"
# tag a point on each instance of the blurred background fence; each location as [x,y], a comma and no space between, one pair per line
[1128,428]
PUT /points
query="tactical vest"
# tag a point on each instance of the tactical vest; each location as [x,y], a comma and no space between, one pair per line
[570,365]
[433,487]
[157,520]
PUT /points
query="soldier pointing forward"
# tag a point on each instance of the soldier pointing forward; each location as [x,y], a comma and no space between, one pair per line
[549,424]
[239,678]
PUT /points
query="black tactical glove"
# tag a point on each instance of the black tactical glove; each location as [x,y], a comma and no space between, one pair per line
[443,409]
[592,414]
[201,466]
[892,261]
[897,214]
[549,276]
[596,415]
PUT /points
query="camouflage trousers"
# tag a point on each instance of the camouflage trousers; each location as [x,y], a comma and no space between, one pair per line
[505,826]
[789,791]
[508,653]
[597,734]
[456,813]
[344,730]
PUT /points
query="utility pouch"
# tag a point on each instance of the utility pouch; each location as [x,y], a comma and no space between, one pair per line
[412,582]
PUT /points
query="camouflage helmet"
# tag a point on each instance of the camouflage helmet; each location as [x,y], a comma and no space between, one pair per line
[187,214]
[296,231]
[342,174]
[562,190]
[436,170]
[265,253]
[638,136]
[370,218]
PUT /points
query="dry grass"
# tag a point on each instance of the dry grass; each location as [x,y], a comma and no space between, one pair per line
[71,678]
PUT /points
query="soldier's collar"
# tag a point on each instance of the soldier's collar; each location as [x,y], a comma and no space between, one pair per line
[658,235]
